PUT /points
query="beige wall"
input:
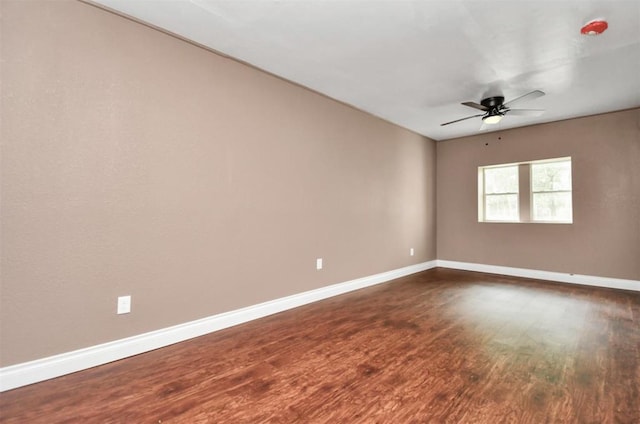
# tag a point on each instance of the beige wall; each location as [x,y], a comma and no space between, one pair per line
[604,239]
[135,163]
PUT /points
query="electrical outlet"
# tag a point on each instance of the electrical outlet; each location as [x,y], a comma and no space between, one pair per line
[411,252]
[124,304]
[319,263]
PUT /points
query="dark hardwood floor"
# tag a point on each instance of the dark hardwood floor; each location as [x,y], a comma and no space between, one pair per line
[441,346]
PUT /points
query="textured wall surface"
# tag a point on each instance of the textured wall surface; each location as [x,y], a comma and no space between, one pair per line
[135,163]
[604,239]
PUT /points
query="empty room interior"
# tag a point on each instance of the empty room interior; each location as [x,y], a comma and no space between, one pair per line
[320,211]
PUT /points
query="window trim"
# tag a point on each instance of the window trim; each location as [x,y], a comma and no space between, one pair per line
[484,195]
[525,193]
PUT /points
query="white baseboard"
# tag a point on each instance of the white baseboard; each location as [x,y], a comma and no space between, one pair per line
[31,372]
[589,280]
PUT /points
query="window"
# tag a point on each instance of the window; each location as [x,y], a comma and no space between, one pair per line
[501,193]
[551,191]
[538,191]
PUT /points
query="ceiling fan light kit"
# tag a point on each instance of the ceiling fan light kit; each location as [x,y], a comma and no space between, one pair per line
[495,109]
[492,119]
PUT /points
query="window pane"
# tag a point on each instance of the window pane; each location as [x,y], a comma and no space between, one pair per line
[501,207]
[501,180]
[552,207]
[551,176]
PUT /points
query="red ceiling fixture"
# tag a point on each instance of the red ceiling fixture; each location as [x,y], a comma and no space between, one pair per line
[596,27]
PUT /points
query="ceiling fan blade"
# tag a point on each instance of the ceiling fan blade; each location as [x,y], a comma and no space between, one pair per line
[525,112]
[462,119]
[476,105]
[525,97]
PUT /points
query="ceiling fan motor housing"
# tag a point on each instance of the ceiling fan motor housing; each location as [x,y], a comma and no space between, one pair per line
[492,102]
[494,109]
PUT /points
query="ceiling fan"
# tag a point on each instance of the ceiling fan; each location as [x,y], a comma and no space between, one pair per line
[495,109]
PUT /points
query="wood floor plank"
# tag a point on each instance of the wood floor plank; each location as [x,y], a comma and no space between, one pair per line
[441,346]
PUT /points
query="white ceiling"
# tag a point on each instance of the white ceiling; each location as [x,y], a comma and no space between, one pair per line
[414,62]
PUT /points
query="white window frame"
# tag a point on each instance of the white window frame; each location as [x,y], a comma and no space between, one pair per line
[532,192]
[525,192]
[482,190]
